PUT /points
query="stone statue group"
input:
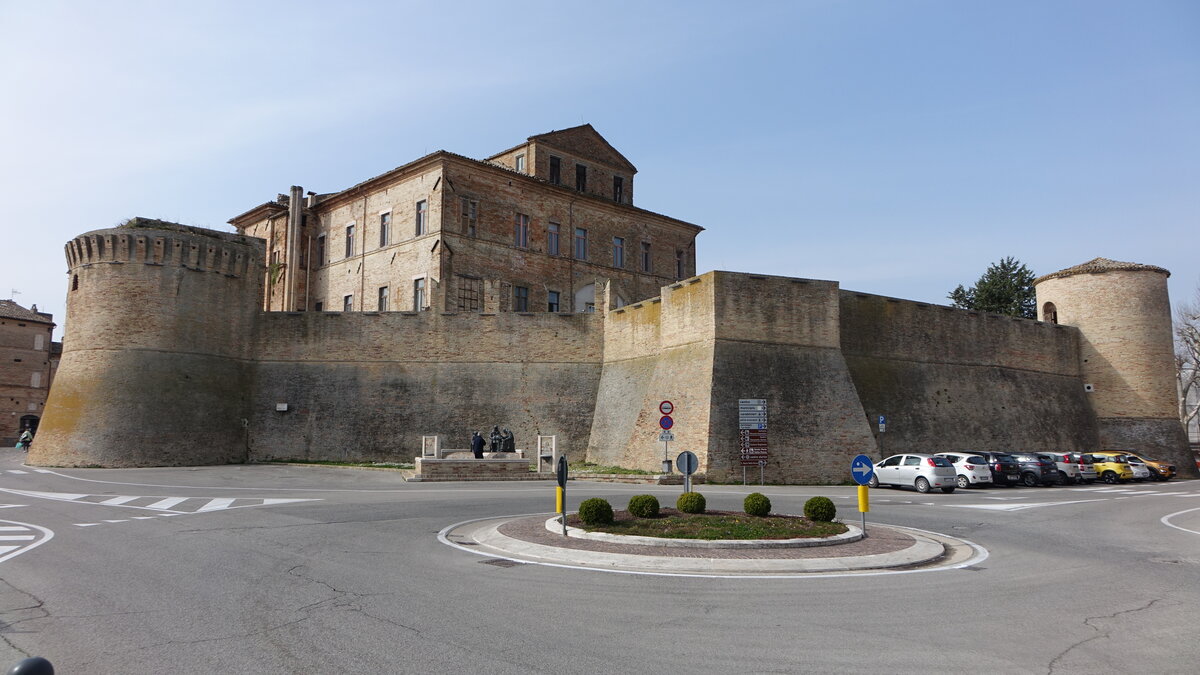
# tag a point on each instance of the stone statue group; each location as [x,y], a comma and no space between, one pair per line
[502,441]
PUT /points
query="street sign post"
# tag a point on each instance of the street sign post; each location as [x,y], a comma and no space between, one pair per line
[562,491]
[752,434]
[666,436]
[882,423]
[666,407]
[666,422]
[861,470]
[687,464]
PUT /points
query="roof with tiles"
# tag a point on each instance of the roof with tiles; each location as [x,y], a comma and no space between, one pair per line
[1100,266]
[11,310]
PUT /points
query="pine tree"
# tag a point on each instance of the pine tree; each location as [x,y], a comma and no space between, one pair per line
[1005,288]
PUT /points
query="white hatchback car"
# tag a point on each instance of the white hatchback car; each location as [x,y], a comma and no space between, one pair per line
[1070,471]
[923,472]
[1140,470]
[969,469]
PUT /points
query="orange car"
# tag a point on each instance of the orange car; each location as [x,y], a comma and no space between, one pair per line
[1159,469]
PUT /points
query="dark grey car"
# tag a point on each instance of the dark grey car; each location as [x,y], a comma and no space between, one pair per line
[1036,469]
[1005,469]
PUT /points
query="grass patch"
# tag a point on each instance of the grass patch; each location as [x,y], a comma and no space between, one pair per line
[671,524]
[329,462]
[591,467]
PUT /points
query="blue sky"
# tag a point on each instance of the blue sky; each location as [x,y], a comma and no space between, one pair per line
[896,147]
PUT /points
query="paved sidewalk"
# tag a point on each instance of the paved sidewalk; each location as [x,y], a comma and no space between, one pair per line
[527,539]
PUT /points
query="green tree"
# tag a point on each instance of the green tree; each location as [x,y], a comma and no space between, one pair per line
[1005,288]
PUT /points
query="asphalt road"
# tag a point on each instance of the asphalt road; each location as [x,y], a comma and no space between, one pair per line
[205,570]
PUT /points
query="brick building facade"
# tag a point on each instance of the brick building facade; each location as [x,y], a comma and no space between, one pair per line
[28,359]
[536,228]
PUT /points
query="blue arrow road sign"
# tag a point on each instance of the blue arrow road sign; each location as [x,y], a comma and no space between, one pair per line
[861,469]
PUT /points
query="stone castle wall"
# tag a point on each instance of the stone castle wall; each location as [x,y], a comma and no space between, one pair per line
[156,366]
[950,379]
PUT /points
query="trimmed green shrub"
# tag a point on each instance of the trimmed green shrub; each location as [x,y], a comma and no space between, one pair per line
[756,504]
[690,502]
[596,511]
[820,509]
[643,506]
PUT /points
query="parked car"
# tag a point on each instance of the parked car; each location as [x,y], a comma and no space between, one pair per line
[1141,472]
[969,469]
[1036,469]
[1068,467]
[923,472]
[1087,469]
[1005,470]
[1111,466]
[1159,469]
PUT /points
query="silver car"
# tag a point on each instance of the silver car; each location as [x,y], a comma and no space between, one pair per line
[1140,470]
[923,472]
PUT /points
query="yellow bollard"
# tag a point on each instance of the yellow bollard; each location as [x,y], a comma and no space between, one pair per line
[558,499]
[863,501]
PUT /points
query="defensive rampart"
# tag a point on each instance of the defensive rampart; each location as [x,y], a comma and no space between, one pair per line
[367,386]
[156,365]
[951,379]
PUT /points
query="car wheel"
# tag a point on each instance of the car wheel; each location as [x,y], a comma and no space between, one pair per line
[947,490]
[1065,479]
[1029,480]
[873,482]
[961,482]
[922,485]
[1110,477]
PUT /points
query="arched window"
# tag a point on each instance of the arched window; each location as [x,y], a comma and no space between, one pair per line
[75,282]
[1049,312]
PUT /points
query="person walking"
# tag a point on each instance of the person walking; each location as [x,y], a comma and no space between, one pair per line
[25,440]
[477,444]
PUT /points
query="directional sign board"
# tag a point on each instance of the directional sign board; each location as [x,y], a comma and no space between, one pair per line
[666,422]
[666,407]
[752,431]
[861,469]
[687,463]
[666,436]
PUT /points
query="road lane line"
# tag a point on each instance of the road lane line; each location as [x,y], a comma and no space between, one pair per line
[5,555]
[1166,520]
[167,503]
[119,500]
[16,537]
[216,505]
[12,529]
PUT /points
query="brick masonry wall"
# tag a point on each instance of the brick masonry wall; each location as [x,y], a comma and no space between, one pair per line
[952,379]
[1127,354]
[368,386]
[18,363]
[155,365]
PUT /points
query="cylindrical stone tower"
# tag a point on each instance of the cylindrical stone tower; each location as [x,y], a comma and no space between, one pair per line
[1127,360]
[156,368]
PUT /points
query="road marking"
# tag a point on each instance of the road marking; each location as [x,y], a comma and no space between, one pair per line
[17,471]
[43,470]
[166,504]
[16,537]
[1019,507]
[118,500]
[7,552]
[11,528]
[85,524]
[1166,520]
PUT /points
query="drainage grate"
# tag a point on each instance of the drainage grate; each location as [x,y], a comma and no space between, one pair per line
[501,562]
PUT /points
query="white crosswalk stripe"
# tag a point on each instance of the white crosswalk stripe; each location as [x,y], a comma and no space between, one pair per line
[158,503]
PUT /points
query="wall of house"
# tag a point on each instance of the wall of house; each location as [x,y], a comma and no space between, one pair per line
[20,358]
[950,379]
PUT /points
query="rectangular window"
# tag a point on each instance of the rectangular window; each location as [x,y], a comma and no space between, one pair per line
[678,264]
[383,298]
[647,263]
[580,177]
[520,299]
[555,170]
[349,240]
[552,239]
[552,301]
[580,243]
[304,246]
[521,231]
[520,163]
[320,250]
[39,342]
[469,215]
[422,214]
[470,292]
[419,294]
[35,380]
[385,225]
[319,306]
[348,303]
[618,252]
[618,189]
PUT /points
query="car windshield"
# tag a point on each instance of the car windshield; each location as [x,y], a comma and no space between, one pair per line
[940,461]
[1000,457]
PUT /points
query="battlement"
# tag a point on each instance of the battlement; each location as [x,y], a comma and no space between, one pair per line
[159,243]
